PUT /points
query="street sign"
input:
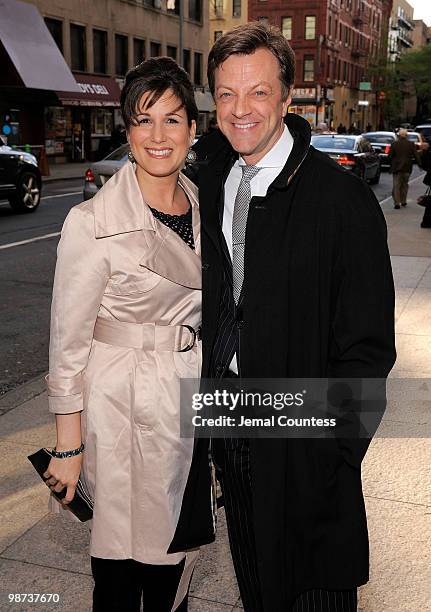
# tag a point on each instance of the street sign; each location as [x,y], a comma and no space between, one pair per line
[365,86]
[363,102]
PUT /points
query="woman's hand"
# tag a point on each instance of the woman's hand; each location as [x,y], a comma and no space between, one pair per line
[63,473]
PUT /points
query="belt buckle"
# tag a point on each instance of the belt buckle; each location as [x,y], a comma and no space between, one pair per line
[191,345]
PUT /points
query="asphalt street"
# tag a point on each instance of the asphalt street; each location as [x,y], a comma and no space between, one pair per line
[28,246]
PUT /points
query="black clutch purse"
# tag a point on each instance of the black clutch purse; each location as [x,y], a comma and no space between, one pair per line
[82,504]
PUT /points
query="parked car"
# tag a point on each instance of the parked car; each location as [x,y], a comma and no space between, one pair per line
[425,130]
[354,153]
[99,172]
[420,142]
[381,143]
[20,179]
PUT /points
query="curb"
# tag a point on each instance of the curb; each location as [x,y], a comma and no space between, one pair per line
[55,179]
[23,393]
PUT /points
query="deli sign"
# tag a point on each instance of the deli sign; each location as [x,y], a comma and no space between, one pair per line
[93,88]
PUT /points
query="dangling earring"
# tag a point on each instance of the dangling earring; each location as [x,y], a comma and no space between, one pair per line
[131,157]
[191,156]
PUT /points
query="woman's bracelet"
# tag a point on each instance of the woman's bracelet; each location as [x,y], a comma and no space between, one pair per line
[65,454]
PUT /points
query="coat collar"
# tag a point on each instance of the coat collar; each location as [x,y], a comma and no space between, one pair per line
[119,208]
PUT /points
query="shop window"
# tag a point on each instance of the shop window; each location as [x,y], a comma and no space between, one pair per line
[308,68]
[99,51]
[236,8]
[155,49]
[55,26]
[195,10]
[171,51]
[186,60]
[286,27]
[138,51]
[218,34]
[78,47]
[310,27]
[101,122]
[121,55]
[198,69]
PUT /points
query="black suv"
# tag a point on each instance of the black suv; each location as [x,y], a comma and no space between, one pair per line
[20,179]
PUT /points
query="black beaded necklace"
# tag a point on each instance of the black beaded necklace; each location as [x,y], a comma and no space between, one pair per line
[180,224]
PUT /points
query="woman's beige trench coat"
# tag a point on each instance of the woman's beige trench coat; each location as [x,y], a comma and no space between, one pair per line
[117,268]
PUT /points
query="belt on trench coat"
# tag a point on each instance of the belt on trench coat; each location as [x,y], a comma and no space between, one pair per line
[146,336]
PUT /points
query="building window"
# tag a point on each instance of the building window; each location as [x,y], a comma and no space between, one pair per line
[138,51]
[236,8]
[310,27]
[195,10]
[99,51]
[55,26]
[308,68]
[121,55]
[171,51]
[186,60]
[78,47]
[330,26]
[218,34]
[286,27]
[198,69]
[218,8]
[173,6]
[155,49]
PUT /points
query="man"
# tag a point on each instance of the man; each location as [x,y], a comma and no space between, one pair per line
[401,156]
[298,286]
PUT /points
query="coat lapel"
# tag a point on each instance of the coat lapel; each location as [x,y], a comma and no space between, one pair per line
[120,208]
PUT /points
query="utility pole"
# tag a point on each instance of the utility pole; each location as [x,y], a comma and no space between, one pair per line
[180,42]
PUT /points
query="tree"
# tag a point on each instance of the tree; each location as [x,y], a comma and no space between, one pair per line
[415,67]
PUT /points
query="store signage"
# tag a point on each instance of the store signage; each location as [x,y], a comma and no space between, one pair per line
[305,93]
[93,89]
[365,86]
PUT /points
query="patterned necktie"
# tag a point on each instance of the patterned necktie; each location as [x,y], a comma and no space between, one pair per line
[239,224]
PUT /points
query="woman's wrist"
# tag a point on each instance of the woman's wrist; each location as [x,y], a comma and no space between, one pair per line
[58,453]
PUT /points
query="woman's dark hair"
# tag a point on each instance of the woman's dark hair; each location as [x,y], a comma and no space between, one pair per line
[156,75]
[245,40]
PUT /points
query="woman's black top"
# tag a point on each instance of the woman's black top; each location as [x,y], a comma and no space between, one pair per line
[181,224]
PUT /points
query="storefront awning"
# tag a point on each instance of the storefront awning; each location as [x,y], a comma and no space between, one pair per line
[93,91]
[204,101]
[32,49]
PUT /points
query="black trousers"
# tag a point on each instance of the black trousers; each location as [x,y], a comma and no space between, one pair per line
[123,585]
[232,460]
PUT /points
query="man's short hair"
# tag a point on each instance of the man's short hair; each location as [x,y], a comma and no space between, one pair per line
[245,40]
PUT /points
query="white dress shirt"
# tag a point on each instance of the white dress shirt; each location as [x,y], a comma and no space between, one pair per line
[271,165]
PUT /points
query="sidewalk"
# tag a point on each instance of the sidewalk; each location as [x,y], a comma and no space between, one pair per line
[63,172]
[42,553]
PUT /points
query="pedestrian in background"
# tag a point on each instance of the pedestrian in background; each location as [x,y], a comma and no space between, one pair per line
[401,157]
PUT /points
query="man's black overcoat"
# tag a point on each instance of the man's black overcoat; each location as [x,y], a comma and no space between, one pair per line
[318,302]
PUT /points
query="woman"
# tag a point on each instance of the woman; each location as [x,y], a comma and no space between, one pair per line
[125,317]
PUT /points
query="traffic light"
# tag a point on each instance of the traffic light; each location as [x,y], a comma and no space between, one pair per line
[6,128]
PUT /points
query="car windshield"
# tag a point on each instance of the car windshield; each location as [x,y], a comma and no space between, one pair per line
[379,138]
[425,131]
[119,154]
[333,142]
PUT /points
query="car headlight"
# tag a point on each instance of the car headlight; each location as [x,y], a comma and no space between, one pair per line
[29,158]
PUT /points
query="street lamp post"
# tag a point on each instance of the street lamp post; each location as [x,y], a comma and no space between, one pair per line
[180,42]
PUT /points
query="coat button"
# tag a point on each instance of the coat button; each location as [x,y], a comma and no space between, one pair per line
[240,323]
[205,266]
